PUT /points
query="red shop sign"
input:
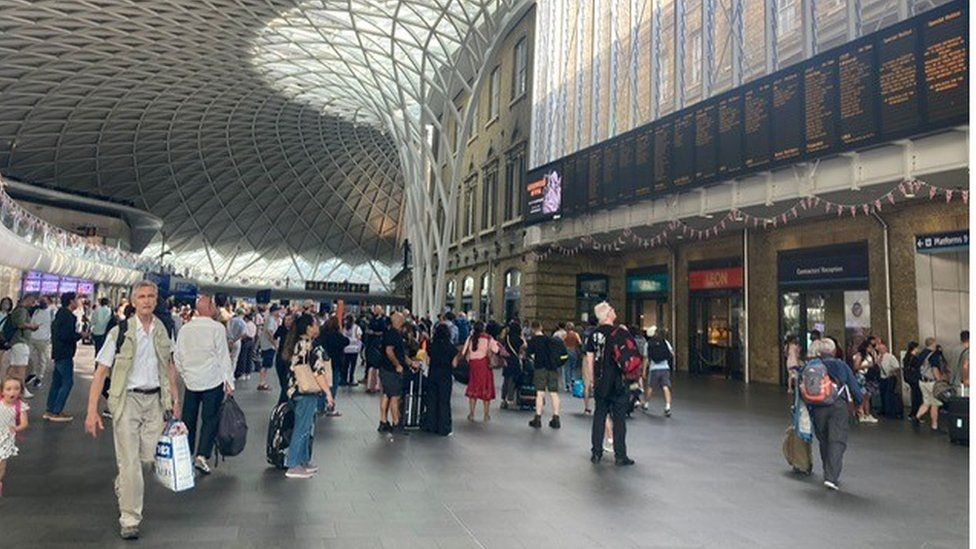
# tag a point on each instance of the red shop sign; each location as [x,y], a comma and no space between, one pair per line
[715,279]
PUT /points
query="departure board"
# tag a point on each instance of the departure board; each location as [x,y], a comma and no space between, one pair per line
[662,156]
[730,134]
[858,94]
[945,52]
[898,80]
[593,197]
[906,80]
[787,115]
[643,174]
[610,180]
[820,106]
[683,150]
[706,146]
[756,108]
[625,165]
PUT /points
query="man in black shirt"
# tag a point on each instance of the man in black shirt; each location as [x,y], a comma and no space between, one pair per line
[546,375]
[375,332]
[609,391]
[391,374]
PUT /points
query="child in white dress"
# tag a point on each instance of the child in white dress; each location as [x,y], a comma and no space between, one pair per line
[13,419]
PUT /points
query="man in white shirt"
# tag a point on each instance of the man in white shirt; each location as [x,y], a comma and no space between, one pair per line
[143,390]
[203,361]
[267,345]
[40,341]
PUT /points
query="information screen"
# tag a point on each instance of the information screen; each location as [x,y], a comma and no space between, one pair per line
[909,79]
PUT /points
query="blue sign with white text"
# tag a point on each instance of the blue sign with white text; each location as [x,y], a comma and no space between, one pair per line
[942,242]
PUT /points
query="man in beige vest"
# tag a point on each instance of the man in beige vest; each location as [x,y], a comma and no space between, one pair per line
[143,390]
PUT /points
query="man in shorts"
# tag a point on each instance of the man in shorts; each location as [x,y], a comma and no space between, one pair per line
[20,343]
[391,375]
[546,373]
[659,355]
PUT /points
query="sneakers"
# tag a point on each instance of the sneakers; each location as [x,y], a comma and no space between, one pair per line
[264,387]
[645,406]
[298,472]
[311,467]
[107,414]
[33,381]
[57,418]
[624,461]
[384,427]
[831,485]
[554,422]
[28,394]
[129,532]
[536,422]
[667,412]
[200,463]
[869,419]
[333,413]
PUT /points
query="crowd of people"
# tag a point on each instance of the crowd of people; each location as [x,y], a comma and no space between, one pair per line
[147,350]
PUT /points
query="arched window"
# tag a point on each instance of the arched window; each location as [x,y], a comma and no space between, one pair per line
[513,293]
[467,294]
[451,294]
[485,305]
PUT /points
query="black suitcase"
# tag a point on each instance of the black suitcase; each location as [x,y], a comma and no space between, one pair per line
[280,427]
[957,413]
[526,397]
[413,401]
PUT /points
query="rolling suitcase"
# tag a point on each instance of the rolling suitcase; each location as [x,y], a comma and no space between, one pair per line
[526,397]
[413,401]
[280,427]
[957,413]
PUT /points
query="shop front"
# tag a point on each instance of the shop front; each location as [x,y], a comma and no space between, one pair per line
[591,289]
[715,315]
[824,290]
[647,298]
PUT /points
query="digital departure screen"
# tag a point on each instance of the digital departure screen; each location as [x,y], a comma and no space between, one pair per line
[907,79]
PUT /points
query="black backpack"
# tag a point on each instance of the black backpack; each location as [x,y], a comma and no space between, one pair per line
[558,354]
[232,428]
[657,350]
[120,337]
[279,434]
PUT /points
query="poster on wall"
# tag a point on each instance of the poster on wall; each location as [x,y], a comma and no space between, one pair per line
[543,193]
[857,318]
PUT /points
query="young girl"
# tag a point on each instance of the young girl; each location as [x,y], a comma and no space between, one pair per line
[13,419]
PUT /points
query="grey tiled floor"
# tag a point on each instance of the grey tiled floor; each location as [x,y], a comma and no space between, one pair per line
[711,476]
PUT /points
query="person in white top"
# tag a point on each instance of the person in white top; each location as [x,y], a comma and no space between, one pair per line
[267,345]
[236,329]
[203,361]
[354,333]
[40,341]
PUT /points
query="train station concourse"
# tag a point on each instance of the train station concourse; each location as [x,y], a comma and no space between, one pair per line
[485,273]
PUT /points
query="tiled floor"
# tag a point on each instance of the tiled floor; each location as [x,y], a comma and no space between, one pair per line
[711,476]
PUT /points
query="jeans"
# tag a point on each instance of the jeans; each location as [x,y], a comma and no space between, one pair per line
[349,376]
[569,371]
[210,400]
[830,424]
[616,406]
[300,447]
[61,382]
[98,340]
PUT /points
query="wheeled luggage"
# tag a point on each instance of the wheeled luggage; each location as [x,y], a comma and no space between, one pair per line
[526,397]
[413,401]
[798,452]
[957,416]
[280,428]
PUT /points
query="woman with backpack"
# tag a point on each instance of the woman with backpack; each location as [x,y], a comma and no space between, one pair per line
[477,351]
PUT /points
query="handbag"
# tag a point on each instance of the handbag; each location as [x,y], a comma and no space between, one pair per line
[305,379]
[942,390]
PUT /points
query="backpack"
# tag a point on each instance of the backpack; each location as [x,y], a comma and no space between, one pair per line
[625,354]
[816,386]
[558,353]
[120,338]
[231,429]
[7,331]
[657,350]
[280,428]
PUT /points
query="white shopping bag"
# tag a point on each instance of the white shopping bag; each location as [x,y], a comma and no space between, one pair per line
[174,464]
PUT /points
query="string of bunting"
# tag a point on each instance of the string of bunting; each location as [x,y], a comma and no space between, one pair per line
[908,188]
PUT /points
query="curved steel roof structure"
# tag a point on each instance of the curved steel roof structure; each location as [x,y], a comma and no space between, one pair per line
[275,138]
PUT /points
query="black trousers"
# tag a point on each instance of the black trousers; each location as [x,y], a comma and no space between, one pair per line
[830,425]
[281,368]
[891,403]
[437,393]
[616,406]
[210,400]
[349,369]
[916,393]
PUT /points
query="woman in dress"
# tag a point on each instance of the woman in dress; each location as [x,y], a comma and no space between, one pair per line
[481,385]
[439,382]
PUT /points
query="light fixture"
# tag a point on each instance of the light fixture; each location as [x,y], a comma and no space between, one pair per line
[707,216]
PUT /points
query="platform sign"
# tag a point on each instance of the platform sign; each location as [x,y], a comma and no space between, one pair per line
[942,242]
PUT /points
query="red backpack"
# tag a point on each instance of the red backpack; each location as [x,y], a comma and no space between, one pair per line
[626,355]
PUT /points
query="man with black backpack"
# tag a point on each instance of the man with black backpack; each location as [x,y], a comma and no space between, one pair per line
[604,349]
[549,354]
[659,356]
[826,386]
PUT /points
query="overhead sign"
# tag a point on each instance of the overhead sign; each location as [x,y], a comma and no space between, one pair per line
[715,279]
[942,242]
[826,265]
[336,287]
[647,283]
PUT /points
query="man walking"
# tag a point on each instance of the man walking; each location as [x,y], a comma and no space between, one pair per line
[203,361]
[267,345]
[546,373]
[65,336]
[42,316]
[659,355]
[101,317]
[609,391]
[143,389]
[20,343]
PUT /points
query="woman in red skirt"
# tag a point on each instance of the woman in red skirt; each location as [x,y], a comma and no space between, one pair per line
[481,383]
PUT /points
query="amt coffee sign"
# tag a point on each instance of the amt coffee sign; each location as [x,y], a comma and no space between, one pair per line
[942,242]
